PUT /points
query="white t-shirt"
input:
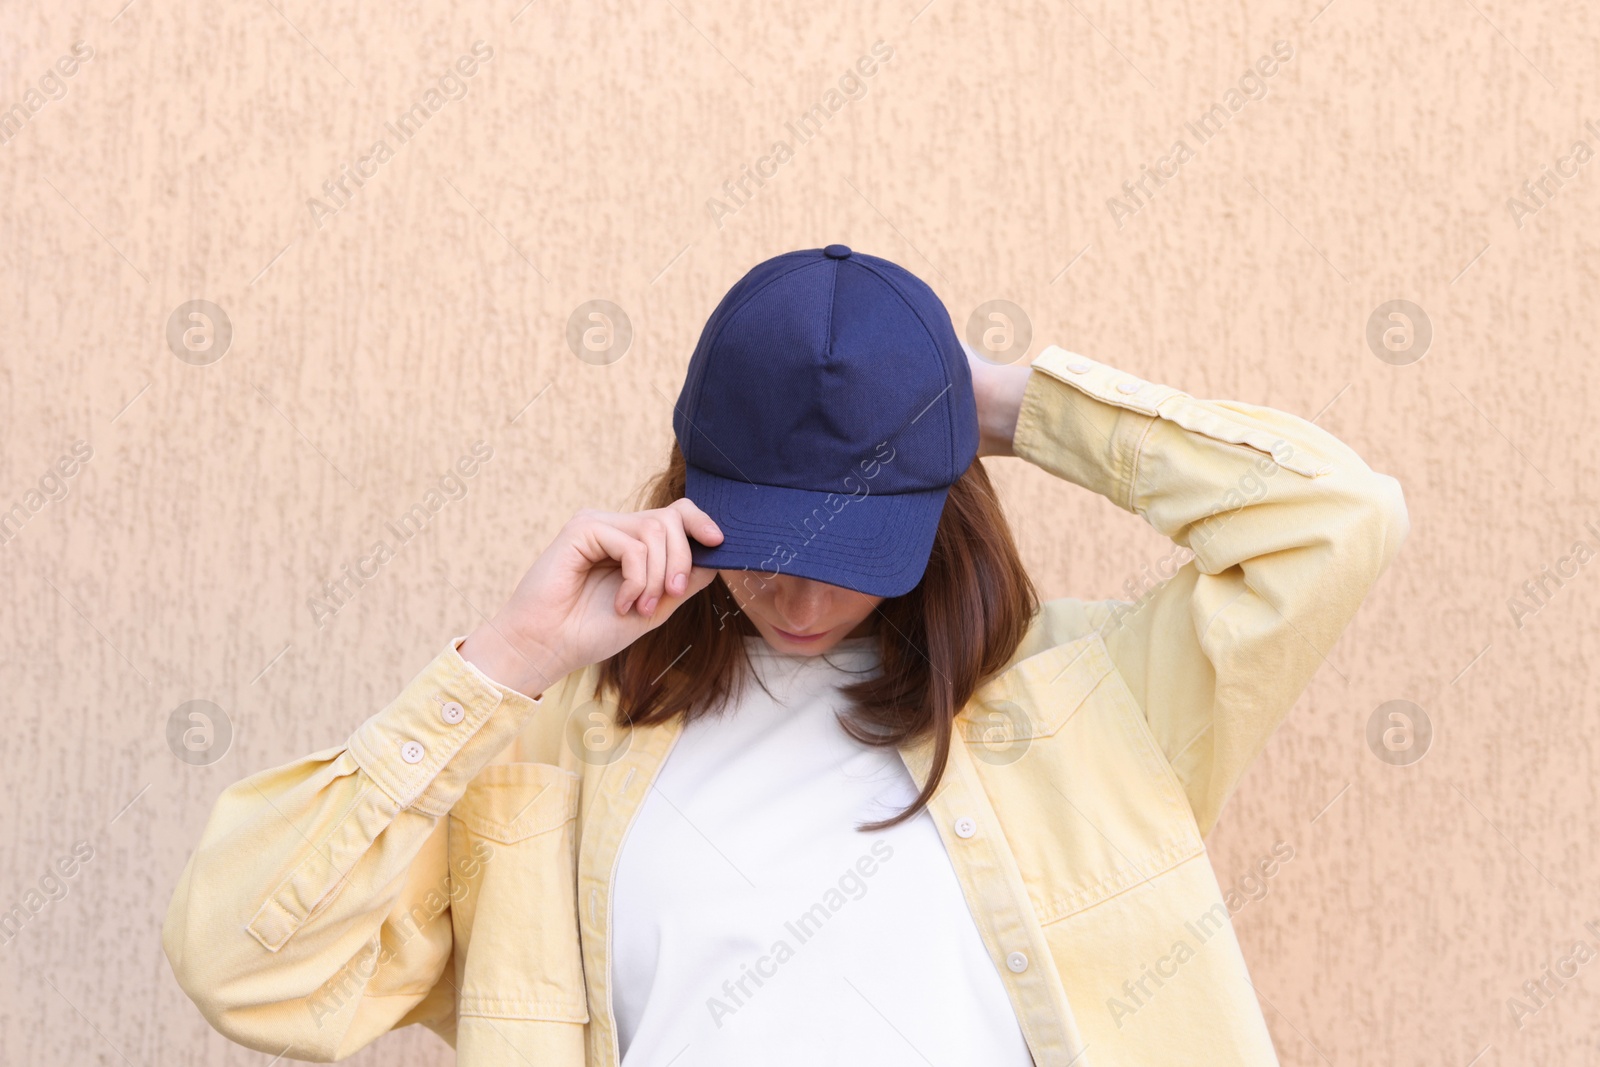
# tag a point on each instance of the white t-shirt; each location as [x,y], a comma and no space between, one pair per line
[755,924]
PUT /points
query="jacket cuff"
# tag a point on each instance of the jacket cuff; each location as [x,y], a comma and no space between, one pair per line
[447,724]
[1085,421]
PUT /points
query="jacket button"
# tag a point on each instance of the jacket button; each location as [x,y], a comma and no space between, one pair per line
[1079,366]
[965,827]
[1017,962]
[1129,387]
[452,712]
[411,752]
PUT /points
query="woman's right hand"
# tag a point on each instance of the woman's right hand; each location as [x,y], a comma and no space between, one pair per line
[606,579]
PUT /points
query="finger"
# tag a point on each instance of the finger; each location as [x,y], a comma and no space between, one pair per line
[596,536]
[676,559]
[653,532]
[656,528]
[629,552]
[697,523]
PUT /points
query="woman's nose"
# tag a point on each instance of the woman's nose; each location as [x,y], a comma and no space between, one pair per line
[802,604]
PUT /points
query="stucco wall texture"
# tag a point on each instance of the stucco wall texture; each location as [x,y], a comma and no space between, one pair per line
[187,486]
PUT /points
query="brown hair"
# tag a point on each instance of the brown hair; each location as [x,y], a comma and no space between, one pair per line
[936,644]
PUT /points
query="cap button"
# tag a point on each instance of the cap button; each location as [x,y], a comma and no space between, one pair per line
[837,251]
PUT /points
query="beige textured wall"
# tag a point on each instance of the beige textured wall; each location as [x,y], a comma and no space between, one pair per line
[373,342]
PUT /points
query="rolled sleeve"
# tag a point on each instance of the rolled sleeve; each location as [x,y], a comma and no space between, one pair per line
[1217,652]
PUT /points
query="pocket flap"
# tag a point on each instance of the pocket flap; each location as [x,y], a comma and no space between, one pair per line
[1035,696]
[507,802]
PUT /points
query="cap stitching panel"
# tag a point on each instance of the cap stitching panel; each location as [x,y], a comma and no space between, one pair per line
[721,327]
[895,288]
[749,298]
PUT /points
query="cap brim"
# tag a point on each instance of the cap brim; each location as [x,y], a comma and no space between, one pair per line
[873,543]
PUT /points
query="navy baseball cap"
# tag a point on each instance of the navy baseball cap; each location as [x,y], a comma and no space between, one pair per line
[826,412]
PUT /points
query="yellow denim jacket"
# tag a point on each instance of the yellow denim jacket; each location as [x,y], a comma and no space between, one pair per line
[451,864]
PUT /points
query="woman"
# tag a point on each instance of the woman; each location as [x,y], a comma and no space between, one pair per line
[791,765]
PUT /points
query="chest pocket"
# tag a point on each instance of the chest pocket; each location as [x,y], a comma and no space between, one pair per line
[513,866]
[1089,804]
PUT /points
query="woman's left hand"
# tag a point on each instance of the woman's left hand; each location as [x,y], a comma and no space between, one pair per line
[998,390]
